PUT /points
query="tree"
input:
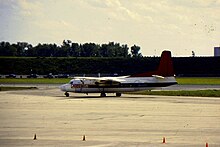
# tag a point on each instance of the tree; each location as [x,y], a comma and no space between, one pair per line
[124,51]
[104,50]
[135,51]
[67,49]
[113,50]
[22,47]
[90,50]
[7,50]
[193,54]
[75,50]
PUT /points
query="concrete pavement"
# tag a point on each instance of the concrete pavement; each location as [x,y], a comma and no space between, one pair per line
[131,120]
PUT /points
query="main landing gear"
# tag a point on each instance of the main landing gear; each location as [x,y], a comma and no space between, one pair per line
[67,94]
[118,94]
[104,95]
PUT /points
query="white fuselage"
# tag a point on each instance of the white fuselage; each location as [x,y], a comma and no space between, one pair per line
[126,84]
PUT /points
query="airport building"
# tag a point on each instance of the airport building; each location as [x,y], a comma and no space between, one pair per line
[217,51]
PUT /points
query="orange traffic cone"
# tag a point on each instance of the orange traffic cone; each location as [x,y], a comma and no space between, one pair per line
[35,137]
[164,140]
[206,145]
[84,138]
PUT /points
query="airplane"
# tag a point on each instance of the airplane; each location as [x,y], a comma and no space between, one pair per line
[162,77]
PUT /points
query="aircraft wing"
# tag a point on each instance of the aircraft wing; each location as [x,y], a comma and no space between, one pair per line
[104,81]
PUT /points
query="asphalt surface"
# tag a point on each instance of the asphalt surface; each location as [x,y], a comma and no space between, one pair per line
[131,120]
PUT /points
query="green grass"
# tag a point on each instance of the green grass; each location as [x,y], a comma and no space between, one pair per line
[194,93]
[15,88]
[34,81]
[199,81]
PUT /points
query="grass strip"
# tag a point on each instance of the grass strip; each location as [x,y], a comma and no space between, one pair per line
[198,80]
[16,88]
[194,93]
[35,81]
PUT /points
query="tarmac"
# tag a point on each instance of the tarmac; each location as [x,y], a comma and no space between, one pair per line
[131,120]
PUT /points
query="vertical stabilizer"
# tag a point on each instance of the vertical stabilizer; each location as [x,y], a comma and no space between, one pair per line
[166,65]
[165,68]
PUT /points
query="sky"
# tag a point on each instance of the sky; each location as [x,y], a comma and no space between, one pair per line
[181,26]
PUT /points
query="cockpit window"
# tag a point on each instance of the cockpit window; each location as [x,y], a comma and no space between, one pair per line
[75,81]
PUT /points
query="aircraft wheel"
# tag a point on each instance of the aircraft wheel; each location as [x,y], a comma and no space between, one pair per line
[103,95]
[67,94]
[118,94]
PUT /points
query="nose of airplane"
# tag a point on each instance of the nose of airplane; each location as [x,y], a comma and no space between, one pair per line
[63,87]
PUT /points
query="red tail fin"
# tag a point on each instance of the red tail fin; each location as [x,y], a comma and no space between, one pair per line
[165,68]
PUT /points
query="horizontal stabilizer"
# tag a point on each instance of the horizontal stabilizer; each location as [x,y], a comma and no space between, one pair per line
[158,77]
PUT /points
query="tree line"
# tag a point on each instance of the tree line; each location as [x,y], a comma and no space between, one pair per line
[203,66]
[69,49]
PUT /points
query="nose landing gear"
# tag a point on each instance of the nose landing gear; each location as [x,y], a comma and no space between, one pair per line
[67,94]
